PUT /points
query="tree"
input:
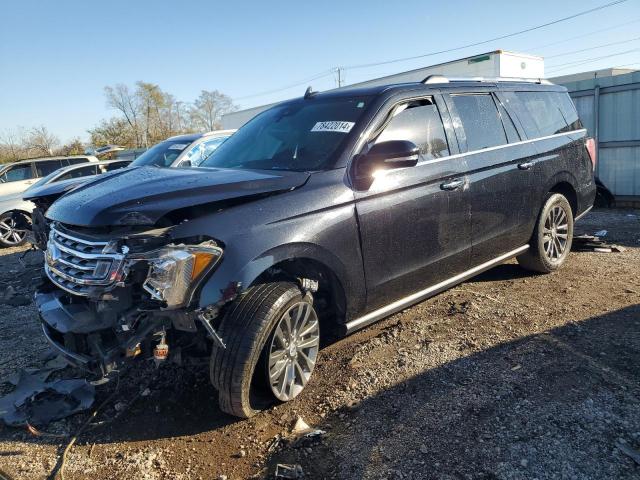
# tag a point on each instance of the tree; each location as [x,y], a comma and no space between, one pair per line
[12,145]
[114,131]
[208,108]
[41,142]
[74,147]
[122,99]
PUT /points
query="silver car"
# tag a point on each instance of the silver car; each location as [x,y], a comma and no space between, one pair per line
[183,150]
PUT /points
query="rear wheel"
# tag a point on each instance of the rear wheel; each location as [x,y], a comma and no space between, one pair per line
[12,233]
[272,337]
[552,237]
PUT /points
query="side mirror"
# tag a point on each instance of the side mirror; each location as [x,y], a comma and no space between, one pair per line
[388,155]
[186,164]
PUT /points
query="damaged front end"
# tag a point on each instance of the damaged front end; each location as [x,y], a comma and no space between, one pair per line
[118,293]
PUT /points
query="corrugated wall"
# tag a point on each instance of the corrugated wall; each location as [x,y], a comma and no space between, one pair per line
[618,128]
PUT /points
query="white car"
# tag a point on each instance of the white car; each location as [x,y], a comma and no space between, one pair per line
[17,177]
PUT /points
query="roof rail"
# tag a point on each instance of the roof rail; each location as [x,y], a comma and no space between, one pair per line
[443,79]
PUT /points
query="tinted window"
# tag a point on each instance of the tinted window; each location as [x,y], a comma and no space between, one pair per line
[569,111]
[78,173]
[45,168]
[76,161]
[420,123]
[114,166]
[301,135]
[163,154]
[480,120]
[507,122]
[18,173]
[539,113]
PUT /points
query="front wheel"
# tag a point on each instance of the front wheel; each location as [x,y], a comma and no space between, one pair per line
[552,237]
[12,233]
[272,337]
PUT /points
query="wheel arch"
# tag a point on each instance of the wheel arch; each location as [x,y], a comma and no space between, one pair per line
[336,294]
[564,182]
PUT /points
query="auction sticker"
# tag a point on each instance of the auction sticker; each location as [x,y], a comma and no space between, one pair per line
[333,126]
[178,146]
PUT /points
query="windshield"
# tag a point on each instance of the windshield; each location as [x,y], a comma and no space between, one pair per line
[300,136]
[163,154]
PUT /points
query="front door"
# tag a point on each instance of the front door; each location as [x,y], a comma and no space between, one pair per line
[415,221]
[16,179]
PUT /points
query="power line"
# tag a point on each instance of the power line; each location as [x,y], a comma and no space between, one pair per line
[592,48]
[585,35]
[483,42]
[296,84]
[564,66]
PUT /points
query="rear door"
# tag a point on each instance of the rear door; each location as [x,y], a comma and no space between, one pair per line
[47,167]
[415,221]
[499,180]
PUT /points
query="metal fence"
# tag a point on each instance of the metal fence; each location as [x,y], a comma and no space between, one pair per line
[610,109]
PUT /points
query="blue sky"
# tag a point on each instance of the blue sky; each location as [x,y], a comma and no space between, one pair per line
[56,57]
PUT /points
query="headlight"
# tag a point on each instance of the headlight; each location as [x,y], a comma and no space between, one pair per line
[175,271]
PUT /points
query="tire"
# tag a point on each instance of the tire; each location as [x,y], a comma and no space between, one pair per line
[10,234]
[252,330]
[552,237]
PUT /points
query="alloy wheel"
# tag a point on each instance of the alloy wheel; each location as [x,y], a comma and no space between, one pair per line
[10,233]
[556,233]
[293,351]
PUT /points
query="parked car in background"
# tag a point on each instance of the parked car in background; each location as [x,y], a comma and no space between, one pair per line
[183,150]
[17,177]
[322,214]
[47,190]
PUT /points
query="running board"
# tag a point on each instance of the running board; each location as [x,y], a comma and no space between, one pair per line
[405,302]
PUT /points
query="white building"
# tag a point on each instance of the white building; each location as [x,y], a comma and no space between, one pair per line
[499,63]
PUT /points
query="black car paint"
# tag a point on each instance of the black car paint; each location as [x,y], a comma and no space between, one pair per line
[381,239]
[153,192]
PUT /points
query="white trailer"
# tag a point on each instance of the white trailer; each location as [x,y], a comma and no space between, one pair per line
[499,63]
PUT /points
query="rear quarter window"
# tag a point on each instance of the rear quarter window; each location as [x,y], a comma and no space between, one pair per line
[544,113]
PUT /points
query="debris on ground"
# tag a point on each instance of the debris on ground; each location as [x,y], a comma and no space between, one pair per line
[601,233]
[34,400]
[628,451]
[289,471]
[592,243]
[459,307]
[300,426]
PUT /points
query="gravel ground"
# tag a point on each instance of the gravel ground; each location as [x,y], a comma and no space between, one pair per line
[508,376]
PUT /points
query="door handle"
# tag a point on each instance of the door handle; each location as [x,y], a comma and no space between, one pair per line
[453,185]
[525,165]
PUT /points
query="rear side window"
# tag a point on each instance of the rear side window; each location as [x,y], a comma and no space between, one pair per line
[480,120]
[45,168]
[78,173]
[569,111]
[421,124]
[544,113]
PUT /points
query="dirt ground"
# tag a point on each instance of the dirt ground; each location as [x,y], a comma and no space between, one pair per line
[508,376]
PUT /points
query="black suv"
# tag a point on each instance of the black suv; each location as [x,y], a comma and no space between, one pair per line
[324,213]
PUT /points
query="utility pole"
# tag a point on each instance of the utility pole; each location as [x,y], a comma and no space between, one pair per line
[339,72]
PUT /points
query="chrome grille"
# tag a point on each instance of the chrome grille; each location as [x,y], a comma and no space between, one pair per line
[80,266]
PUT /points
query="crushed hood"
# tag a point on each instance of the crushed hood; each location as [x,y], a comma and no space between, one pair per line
[55,189]
[143,195]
